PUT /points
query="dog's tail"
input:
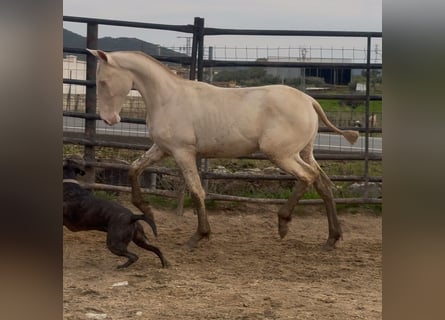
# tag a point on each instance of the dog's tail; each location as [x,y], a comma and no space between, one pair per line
[147,218]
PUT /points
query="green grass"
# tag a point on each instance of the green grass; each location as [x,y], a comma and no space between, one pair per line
[103,152]
[279,193]
[358,208]
[351,167]
[331,167]
[171,204]
[105,195]
[161,202]
[330,105]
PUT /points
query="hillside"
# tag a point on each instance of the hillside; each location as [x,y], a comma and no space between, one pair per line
[74,40]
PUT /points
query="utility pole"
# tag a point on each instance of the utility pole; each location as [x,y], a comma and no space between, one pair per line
[188,45]
[303,52]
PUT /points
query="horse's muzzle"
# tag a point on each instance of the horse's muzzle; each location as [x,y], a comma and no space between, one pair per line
[111,119]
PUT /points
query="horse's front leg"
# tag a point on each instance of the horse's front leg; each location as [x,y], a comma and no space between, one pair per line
[186,161]
[153,155]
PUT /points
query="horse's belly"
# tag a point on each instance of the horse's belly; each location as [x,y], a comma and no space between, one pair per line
[222,147]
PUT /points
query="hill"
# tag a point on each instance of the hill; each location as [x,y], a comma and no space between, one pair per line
[74,40]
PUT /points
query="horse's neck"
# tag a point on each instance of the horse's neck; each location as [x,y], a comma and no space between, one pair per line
[149,74]
[154,82]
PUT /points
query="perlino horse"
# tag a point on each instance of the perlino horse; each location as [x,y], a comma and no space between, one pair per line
[189,119]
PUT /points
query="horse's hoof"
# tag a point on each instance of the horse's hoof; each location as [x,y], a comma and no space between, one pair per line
[283,227]
[166,264]
[190,245]
[193,242]
[282,230]
[330,244]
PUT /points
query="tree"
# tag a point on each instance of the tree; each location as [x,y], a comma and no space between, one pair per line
[253,76]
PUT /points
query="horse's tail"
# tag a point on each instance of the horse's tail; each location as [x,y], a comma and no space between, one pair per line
[350,135]
[147,218]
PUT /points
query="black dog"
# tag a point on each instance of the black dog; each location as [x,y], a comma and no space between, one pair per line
[82,211]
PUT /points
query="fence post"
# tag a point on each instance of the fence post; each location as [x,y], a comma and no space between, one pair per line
[199,23]
[197,70]
[197,50]
[200,58]
[210,69]
[192,73]
[368,80]
[90,101]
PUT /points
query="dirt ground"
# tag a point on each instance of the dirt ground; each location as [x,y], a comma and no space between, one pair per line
[245,271]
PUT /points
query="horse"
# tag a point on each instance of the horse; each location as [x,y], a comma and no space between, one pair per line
[190,119]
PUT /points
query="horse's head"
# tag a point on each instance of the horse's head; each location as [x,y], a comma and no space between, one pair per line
[113,83]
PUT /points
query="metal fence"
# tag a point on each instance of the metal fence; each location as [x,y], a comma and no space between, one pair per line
[89,133]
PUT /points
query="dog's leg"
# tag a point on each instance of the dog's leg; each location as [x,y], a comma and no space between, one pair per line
[141,240]
[117,243]
[123,252]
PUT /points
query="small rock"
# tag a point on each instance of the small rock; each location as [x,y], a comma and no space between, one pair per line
[253,171]
[272,170]
[99,316]
[220,169]
[139,313]
[359,189]
[120,284]
[327,300]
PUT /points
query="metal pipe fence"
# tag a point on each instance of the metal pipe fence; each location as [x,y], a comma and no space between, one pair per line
[90,136]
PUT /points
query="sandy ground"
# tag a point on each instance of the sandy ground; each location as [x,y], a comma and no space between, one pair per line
[245,271]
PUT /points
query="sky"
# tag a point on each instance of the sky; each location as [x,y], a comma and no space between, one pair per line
[337,15]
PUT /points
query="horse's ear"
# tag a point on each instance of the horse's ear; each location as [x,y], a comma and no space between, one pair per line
[99,53]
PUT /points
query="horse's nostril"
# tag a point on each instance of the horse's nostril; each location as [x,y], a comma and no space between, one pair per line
[111,119]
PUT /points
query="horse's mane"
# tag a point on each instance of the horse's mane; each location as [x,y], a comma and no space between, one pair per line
[156,62]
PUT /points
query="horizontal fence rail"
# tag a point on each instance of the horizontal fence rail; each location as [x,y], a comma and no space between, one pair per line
[232,176]
[196,64]
[213,175]
[131,24]
[284,64]
[304,33]
[221,197]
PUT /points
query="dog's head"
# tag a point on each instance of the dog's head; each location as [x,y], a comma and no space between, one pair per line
[71,169]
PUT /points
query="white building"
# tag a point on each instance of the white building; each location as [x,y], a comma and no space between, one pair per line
[77,70]
[73,69]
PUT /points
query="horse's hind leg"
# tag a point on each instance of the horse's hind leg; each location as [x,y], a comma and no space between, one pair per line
[305,174]
[285,212]
[323,185]
[153,155]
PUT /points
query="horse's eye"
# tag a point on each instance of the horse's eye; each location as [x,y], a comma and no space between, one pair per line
[102,83]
